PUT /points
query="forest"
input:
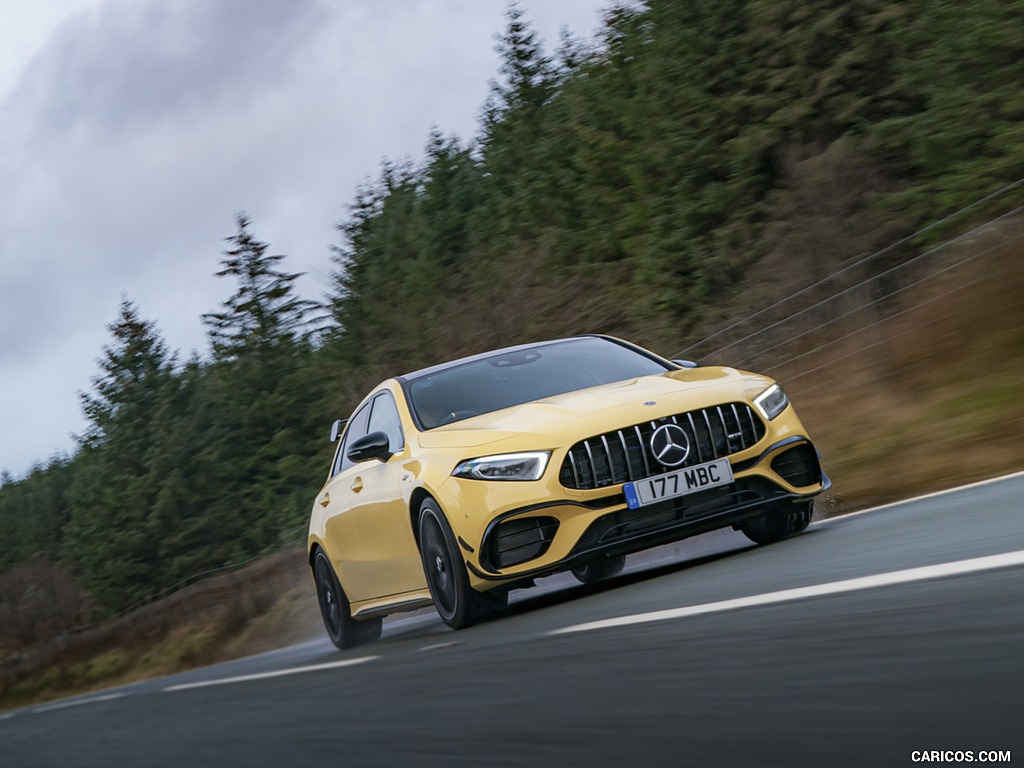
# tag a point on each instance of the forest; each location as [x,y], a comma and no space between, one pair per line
[690,162]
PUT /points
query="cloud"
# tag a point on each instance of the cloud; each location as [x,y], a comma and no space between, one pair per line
[140,127]
[127,66]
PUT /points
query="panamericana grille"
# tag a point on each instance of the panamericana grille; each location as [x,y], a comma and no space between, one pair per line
[625,454]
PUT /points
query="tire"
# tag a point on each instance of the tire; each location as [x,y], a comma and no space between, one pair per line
[457,603]
[599,569]
[344,631]
[778,523]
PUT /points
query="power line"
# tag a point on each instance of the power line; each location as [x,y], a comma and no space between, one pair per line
[861,284]
[875,324]
[847,268]
[870,304]
[824,382]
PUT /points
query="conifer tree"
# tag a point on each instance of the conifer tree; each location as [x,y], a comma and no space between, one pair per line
[262,394]
[265,312]
[111,532]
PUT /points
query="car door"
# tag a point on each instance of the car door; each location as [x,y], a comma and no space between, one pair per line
[392,561]
[340,535]
[382,559]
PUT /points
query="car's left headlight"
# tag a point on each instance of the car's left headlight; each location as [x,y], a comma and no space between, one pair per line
[507,466]
[771,402]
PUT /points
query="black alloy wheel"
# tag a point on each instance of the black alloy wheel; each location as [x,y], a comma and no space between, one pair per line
[778,523]
[457,603]
[344,631]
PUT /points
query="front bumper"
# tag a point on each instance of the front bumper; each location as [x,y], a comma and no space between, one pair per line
[548,536]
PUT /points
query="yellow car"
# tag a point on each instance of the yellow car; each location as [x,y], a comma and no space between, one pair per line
[454,484]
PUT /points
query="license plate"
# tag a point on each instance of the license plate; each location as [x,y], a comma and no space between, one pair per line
[677,483]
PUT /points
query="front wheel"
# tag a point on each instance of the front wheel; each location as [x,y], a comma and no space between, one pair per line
[777,523]
[457,603]
[344,631]
[599,570]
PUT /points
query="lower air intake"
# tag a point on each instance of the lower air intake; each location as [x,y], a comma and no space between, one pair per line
[519,540]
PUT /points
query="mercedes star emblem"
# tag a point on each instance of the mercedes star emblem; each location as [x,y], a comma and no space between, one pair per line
[670,445]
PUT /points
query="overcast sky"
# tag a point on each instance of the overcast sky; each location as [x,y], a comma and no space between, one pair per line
[132,131]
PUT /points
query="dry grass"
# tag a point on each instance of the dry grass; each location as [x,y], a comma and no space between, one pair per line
[292,618]
[932,397]
[266,605]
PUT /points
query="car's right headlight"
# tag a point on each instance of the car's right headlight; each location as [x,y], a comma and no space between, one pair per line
[771,402]
[507,466]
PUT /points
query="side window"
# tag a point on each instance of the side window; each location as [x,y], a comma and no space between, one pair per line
[356,428]
[384,418]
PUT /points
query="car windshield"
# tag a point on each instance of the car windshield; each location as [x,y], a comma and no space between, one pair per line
[517,376]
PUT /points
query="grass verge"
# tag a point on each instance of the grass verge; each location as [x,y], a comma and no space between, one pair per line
[292,618]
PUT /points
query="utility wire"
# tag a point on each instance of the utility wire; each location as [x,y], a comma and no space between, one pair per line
[858,331]
[861,284]
[847,268]
[825,382]
[870,304]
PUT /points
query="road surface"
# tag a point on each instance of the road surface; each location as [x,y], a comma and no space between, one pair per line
[862,642]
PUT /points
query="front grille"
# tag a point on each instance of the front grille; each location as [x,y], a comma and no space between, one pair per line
[625,454]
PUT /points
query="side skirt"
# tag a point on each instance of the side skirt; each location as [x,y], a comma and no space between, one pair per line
[407,601]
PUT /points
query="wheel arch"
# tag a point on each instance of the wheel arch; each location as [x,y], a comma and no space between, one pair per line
[316,547]
[416,499]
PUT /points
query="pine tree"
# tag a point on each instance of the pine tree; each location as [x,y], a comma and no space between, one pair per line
[513,121]
[527,74]
[134,369]
[264,313]
[261,394]
[112,534]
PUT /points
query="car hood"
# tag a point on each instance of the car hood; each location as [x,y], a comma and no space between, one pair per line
[566,418]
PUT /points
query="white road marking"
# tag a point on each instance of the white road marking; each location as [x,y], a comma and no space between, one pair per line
[933,495]
[974,565]
[441,646]
[78,702]
[275,673]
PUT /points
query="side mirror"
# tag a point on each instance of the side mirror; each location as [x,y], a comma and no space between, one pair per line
[336,428]
[685,363]
[375,445]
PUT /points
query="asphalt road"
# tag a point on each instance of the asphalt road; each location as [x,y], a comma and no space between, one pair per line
[855,644]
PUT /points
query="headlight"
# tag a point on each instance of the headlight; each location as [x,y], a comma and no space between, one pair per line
[771,402]
[508,466]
